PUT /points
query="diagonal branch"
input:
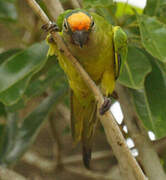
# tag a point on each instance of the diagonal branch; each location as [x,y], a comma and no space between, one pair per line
[115,138]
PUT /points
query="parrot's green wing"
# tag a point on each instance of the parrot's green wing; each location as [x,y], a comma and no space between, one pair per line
[120,48]
[83,123]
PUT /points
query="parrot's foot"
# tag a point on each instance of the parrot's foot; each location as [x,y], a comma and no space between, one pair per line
[105,106]
[53,27]
[50,39]
[115,95]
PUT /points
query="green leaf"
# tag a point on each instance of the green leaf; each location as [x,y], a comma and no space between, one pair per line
[155,87]
[53,76]
[16,72]
[5,55]
[127,9]
[162,11]
[14,93]
[2,133]
[162,66]
[96,3]
[29,129]
[17,106]
[9,134]
[2,110]
[11,1]
[135,70]
[7,11]
[156,8]
[151,7]
[150,103]
[153,35]
[107,12]
[142,108]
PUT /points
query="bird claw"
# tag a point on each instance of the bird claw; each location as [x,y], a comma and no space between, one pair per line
[53,27]
[51,39]
[115,95]
[105,106]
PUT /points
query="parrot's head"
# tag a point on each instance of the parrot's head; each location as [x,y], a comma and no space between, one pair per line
[78,25]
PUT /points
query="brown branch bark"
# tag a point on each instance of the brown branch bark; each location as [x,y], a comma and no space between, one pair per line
[127,162]
[160,146]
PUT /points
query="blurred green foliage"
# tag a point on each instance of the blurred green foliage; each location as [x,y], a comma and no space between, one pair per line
[27,73]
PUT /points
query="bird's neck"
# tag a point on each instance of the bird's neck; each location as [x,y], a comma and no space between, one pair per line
[87,49]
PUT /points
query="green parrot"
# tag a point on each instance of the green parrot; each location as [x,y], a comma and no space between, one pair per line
[101,49]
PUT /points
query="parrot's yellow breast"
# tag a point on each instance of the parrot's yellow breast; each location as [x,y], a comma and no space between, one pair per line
[97,58]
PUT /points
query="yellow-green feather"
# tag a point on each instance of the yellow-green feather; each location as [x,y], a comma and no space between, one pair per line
[98,59]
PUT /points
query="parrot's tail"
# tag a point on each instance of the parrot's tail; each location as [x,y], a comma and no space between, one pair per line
[83,125]
[86,155]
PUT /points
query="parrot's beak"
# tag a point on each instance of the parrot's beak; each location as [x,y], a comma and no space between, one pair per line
[80,37]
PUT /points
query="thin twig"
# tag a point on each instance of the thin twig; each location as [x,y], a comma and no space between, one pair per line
[56,137]
[39,162]
[48,165]
[6,174]
[114,136]
[88,173]
[64,112]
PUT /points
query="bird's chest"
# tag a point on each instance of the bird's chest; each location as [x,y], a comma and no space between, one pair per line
[94,59]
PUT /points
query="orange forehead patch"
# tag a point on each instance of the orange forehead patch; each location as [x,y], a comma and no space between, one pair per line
[79,21]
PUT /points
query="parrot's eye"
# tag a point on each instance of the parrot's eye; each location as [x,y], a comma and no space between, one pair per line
[65,25]
[92,24]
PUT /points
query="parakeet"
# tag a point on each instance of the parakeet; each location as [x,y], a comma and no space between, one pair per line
[101,49]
